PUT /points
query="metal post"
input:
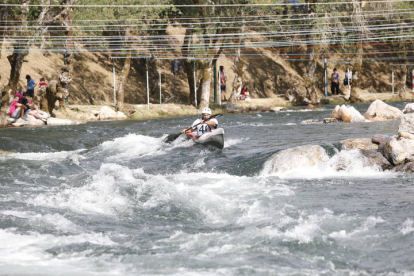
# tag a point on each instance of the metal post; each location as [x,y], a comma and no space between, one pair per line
[349,83]
[147,85]
[392,81]
[160,87]
[113,70]
[326,79]
[219,87]
[215,83]
[195,86]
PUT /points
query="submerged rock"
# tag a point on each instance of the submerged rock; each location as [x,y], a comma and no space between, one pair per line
[380,111]
[330,120]
[311,121]
[406,167]
[358,143]
[295,158]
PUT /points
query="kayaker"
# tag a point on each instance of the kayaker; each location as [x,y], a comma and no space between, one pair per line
[203,124]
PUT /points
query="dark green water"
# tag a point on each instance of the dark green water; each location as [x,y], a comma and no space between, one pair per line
[110,198]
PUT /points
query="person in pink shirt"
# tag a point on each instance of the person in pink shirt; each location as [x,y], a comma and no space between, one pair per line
[17,109]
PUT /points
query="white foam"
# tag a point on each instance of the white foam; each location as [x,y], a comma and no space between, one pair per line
[231,142]
[344,164]
[407,227]
[103,194]
[48,156]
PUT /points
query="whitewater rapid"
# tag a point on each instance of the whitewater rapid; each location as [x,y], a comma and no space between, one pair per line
[130,204]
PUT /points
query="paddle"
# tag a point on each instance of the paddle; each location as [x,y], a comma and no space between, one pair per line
[172,137]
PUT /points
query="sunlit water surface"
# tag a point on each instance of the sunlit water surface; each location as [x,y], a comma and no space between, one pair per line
[110,198]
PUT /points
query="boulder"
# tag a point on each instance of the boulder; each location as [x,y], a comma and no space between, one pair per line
[335,113]
[409,108]
[62,122]
[350,114]
[408,146]
[107,113]
[358,143]
[379,138]
[120,115]
[406,167]
[32,121]
[380,111]
[407,123]
[406,135]
[393,151]
[374,157]
[296,158]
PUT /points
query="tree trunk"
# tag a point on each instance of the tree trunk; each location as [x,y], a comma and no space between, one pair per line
[356,69]
[205,86]
[403,82]
[4,105]
[66,73]
[18,55]
[188,64]
[310,80]
[239,68]
[16,62]
[120,95]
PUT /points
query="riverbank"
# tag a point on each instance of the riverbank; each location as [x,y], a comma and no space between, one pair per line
[85,113]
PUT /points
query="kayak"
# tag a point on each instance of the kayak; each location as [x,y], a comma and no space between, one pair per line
[213,138]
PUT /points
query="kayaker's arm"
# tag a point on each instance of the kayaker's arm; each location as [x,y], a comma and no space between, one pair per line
[211,123]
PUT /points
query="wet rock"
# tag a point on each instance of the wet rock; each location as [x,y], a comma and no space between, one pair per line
[296,158]
[393,151]
[379,138]
[406,167]
[358,143]
[335,113]
[407,123]
[330,120]
[277,109]
[374,157]
[311,121]
[409,108]
[350,114]
[380,111]
[408,146]
[62,122]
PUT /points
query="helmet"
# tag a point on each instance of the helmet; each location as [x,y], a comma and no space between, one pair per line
[206,110]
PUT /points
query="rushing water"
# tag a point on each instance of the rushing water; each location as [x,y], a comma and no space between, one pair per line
[110,198]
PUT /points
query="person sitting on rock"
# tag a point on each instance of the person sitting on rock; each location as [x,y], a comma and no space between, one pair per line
[244,94]
[17,109]
[36,112]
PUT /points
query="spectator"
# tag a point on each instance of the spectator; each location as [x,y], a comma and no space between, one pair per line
[16,108]
[30,86]
[223,80]
[335,82]
[42,84]
[244,94]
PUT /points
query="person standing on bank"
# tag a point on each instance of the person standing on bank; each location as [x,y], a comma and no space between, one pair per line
[335,82]
[205,124]
[223,79]
[31,83]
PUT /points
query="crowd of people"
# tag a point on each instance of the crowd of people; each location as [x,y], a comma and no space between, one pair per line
[23,103]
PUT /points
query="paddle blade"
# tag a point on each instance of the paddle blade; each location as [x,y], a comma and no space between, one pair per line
[171,137]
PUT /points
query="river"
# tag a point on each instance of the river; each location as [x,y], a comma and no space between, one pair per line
[110,198]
